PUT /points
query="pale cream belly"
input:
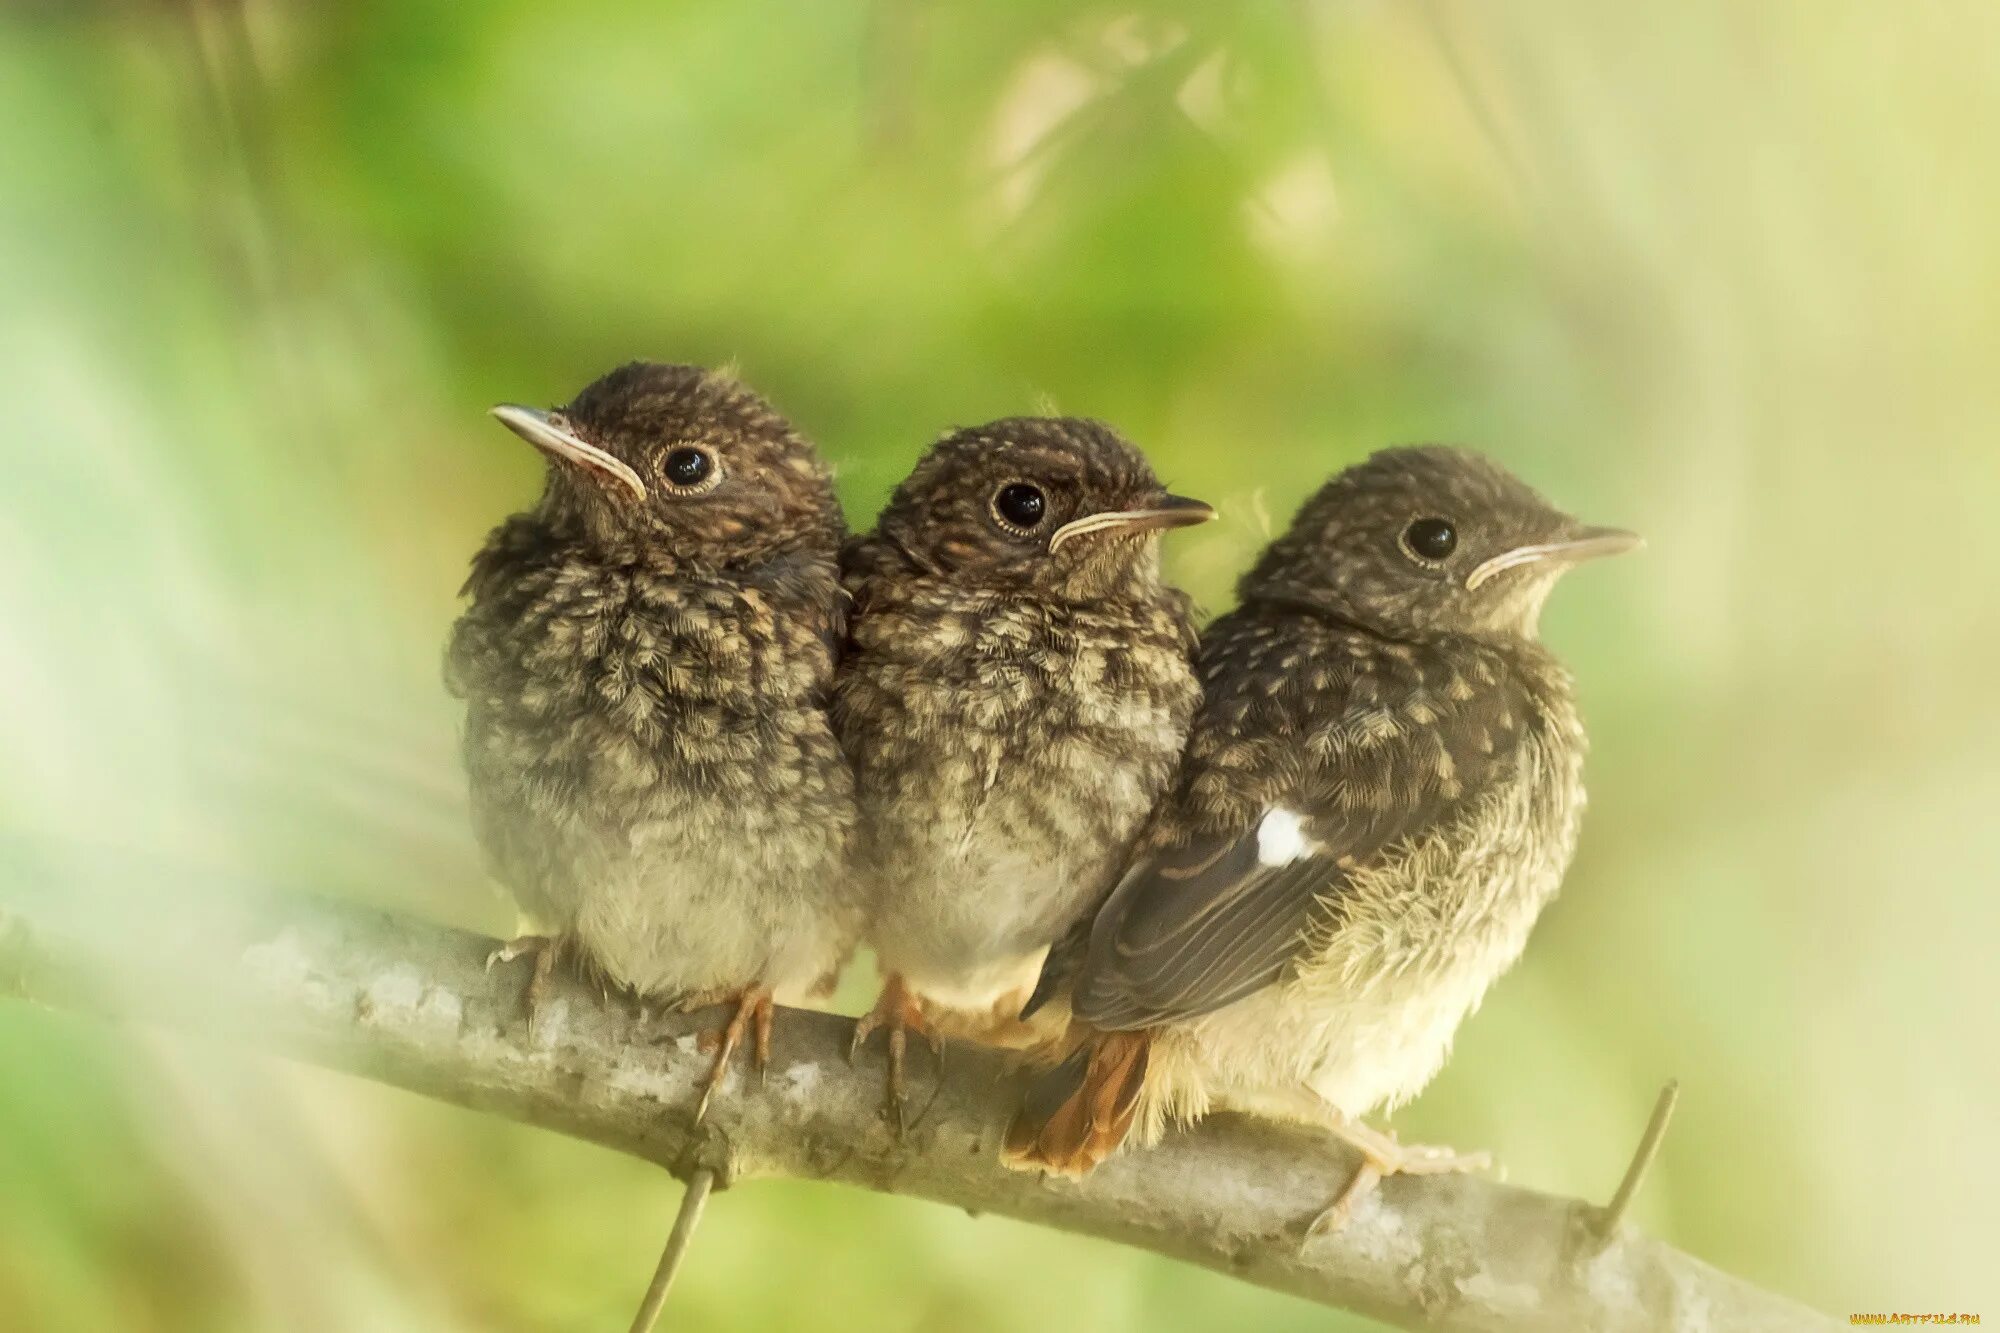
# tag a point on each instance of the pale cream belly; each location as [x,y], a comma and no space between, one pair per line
[1291,1056]
[966,916]
[667,919]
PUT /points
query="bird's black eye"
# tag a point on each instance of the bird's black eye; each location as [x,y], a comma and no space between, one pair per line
[688,468]
[1020,506]
[1431,538]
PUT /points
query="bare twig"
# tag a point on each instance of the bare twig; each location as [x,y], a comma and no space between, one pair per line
[692,1202]
[1642,1160]
[410,1004]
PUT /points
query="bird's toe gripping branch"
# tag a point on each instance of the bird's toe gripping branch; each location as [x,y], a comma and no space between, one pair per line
[753,1013]
[897,1013]
[1382,1156]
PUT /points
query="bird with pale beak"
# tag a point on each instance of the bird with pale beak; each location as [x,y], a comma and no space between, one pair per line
[1014,697]
[1381,791]
[645,665]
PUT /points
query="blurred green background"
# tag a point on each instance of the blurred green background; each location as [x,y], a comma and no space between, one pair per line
[1727,273]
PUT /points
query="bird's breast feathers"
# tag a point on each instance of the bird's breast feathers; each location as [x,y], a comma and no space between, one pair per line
[1006,756]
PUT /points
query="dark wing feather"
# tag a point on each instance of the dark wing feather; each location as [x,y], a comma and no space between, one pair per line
[1196,929]
[1205,923]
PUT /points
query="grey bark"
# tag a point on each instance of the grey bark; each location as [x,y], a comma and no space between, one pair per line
[411,1004]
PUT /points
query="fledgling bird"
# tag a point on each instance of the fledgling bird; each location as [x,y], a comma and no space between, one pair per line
[1014,698]
[645,665]
[1382,789]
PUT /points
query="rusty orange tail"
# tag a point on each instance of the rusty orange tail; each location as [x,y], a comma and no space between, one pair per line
[1076,1115]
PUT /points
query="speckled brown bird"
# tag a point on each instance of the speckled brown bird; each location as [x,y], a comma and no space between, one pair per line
[1014,698]
[645,665]
[1381,791]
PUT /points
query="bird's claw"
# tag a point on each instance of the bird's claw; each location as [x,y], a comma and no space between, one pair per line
[897,1012]
[544,950]
[754,1011]
[1381,1157]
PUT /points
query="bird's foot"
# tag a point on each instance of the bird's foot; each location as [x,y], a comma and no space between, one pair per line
[752,1013]
[1383,1156]
[898,1012]
[545,950]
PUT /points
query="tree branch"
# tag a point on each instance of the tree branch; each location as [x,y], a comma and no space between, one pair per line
[411,1004]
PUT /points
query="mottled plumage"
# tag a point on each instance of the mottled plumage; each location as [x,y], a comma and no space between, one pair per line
[1014,699]
[645,665]
[1381,791]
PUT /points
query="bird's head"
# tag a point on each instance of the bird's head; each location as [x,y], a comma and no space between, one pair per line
[1057,504]
[1429,539]
[683,461]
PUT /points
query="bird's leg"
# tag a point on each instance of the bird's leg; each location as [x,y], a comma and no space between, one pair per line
[753,1011]
[760,1050]
[900,1012]
[1381,1156]
[545,950]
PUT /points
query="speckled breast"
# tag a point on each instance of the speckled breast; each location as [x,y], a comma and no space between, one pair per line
[1006,754]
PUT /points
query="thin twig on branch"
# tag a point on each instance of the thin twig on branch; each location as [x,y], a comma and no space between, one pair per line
[700,1182]
[1608,1221]
[410,1004]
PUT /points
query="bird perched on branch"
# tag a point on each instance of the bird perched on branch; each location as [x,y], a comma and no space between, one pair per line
[1014,698]
[1381,791]
[645,665]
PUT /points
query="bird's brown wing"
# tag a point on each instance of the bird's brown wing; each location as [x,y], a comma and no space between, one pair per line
[1224,912]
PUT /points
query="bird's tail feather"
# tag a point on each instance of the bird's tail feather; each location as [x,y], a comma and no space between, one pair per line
[1075,1115]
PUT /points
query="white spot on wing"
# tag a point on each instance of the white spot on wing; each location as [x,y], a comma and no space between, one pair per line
[1281,837]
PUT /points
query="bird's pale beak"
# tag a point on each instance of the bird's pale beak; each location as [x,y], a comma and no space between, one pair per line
[548,433]
[1585,544]
[1169,511]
